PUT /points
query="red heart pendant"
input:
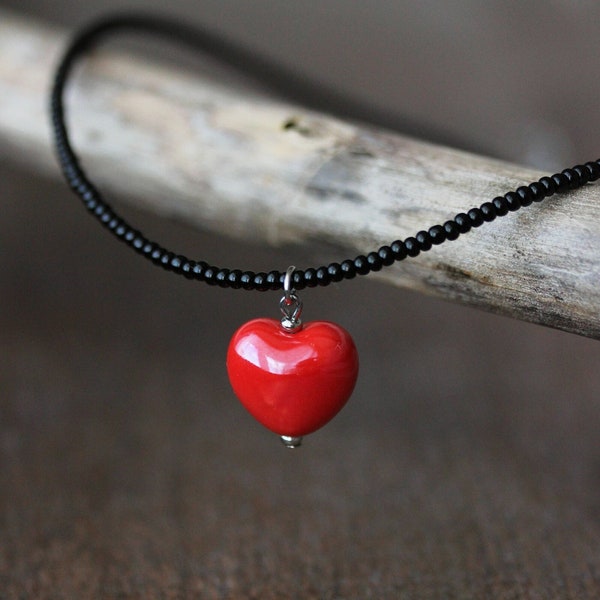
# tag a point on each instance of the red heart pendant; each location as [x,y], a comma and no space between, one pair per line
[292,382]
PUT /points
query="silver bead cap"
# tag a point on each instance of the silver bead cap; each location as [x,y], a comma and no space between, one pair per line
[290,441]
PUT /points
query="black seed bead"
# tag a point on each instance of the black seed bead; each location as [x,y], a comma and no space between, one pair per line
[129,236]
[335,271]
[107,217]
[260,282]
[210,275]
[110,221]
[222,278]
[593,169]
[549,185]
[247,280]
[386,255]
[475,217]
[156,254]
[572,178]
[488,211]
[525,195]
[576,181]
[323,277]
[310,277]
[451,230]
[374,261]
[513,201]
[176,263]
[74,182]
[148,248]
[165,260]
[138,242]
[424,241]
[89,196]
[184,267]
[298,280]
[582,173]
[90,203]
[113,222]
[348,269]
[234,279]
[281,280]
[538,191]
[437,235]
[412,247]
[399,249]
[361,265]
[120,230]
[187,268]
[273,280]
[561,182]
[199,269]
[501,205]
[463,222]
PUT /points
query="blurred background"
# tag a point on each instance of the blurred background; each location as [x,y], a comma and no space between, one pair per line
[466,464]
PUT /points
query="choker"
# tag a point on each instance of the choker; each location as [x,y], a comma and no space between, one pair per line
[293,377]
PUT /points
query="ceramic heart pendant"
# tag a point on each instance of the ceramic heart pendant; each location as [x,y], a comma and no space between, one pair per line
[292,380]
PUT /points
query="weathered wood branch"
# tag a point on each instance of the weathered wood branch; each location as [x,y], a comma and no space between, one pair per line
[245,165]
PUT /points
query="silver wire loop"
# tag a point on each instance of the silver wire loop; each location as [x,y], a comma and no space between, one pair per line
[287,282]
[290,304]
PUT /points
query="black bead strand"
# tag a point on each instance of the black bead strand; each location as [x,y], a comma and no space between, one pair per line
[399,250]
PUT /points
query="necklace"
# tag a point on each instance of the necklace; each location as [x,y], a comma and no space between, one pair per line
[292,377]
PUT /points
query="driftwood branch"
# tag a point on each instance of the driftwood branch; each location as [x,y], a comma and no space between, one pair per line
[245,165]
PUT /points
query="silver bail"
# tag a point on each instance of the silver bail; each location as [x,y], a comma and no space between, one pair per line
[290,304]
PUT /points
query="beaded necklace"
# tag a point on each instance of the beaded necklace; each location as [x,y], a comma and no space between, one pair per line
[292,377]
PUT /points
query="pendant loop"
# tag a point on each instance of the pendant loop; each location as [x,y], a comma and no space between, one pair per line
[287,282]
[290,304]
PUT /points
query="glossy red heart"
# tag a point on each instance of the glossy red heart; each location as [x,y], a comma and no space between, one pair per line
[292,382]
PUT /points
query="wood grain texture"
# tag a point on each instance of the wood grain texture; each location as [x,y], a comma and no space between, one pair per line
[236,162]
[465,466]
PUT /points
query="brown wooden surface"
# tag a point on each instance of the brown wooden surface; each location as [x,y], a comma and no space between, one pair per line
[467,464]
